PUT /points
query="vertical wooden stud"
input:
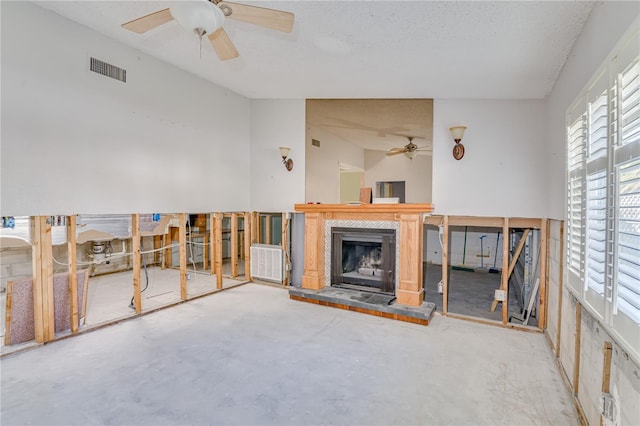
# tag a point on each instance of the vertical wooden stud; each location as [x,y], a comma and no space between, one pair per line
[285,249]
[157,243]
[445,265]
[247,245]
[213,248]
[42,280]
[135,248]
[234,245]
[544,273]
[504,283]
[166,243]
[205,251]
[73,273]
[560,287]
[576,351]
[218,244]
[9,310]
[255,228]
[182,238]
[267,229]
[606,367]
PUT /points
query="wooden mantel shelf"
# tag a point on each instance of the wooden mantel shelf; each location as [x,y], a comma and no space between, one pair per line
[364,208]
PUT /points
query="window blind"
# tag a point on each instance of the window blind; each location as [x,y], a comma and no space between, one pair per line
[596,230]
[630,104]
[628,240]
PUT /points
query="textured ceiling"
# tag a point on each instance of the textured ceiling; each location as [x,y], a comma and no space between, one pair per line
[368,49]
[364,49]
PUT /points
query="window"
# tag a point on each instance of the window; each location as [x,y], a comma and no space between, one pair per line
[603,194]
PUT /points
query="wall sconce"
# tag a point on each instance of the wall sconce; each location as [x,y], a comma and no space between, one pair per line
[288,162]
[457,132]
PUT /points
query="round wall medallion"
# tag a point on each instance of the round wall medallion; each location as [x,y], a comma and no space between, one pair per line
[458,151]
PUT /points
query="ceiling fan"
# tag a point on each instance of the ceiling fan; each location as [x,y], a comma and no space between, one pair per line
[206,17]
[410,150]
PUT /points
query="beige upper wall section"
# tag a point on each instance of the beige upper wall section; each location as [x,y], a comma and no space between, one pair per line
[347,128]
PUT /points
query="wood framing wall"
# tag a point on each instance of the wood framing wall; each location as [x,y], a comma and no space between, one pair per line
[504,224]
[42,262]
[590,360]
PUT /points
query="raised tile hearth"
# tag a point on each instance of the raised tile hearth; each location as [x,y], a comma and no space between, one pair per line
[365,302]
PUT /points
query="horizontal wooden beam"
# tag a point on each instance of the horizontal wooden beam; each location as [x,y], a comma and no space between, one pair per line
[492,222]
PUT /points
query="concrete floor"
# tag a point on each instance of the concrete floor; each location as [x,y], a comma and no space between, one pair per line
[470,293]
[249,355]
[109,295]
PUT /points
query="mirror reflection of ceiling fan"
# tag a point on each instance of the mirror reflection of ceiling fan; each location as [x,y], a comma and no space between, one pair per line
[410,150]
[206,17]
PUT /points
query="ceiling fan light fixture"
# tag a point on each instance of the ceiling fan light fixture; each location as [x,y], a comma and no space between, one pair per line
[199,16]
[410,154]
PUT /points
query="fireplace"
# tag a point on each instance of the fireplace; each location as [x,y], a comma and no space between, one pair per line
[364,258]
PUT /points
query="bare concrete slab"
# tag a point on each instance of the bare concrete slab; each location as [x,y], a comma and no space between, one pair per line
[250,355]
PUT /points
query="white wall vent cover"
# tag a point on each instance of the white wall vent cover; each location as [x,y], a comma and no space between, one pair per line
[267,262]
[108,70]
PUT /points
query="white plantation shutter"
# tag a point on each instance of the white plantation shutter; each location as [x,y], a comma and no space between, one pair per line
[596,188]
[576,132]
[630,105]
[603,194]
[598,128]
[628,240]
[596,230]
[574,228]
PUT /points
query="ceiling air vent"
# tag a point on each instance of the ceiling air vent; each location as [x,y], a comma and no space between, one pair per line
[108,70]
[315,142]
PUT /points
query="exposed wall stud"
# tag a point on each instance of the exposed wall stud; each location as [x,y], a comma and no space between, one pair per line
[445,265]
[234,245]
[218,244]
[135,248]
[182,238]
[248,226]
[73,273]
[42,280]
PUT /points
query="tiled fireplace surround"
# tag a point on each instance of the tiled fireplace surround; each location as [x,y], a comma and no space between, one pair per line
[405,219]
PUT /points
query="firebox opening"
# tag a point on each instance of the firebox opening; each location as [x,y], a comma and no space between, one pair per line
[363,258]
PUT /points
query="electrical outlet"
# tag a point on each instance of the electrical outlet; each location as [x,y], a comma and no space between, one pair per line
[608,406]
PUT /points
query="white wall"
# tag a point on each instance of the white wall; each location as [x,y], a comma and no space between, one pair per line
[503,171]
[322,163]
[276,123]
[606,24]
[416,173]
[74,141]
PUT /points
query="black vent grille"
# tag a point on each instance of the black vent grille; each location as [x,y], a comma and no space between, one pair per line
[108,70]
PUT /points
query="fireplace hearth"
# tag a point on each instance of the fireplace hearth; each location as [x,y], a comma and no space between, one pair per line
[363,258]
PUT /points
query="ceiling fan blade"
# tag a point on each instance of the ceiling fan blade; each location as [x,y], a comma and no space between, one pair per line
[149,22]
[223,45]
[269,18]
[400,151]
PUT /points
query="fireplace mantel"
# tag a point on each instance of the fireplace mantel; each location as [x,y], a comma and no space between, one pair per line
[409,290]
